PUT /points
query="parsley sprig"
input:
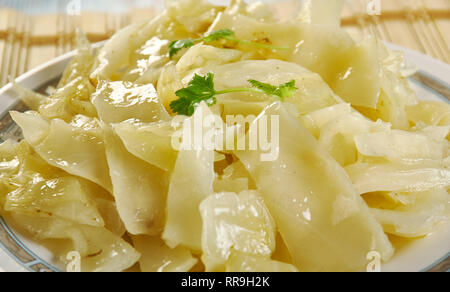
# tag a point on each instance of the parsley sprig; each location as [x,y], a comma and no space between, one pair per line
[201,88]
[222,34]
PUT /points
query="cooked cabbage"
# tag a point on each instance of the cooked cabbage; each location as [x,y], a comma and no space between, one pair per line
[112,167]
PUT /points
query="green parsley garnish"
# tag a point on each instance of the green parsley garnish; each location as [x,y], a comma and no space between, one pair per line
[222,34]
[201,88]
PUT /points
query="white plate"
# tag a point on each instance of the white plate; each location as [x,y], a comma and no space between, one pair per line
[20,254]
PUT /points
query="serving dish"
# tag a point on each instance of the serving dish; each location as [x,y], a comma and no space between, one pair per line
[17,253]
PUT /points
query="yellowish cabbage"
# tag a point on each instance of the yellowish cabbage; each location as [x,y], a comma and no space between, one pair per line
[337,136]
[100,250]
[316,120]
[418,219]
[115,54]
[62,196]
[119,101]
[191,182]
[150,142]
[398,177]
[205,57]
[314,203]
[148,61]
[64,211]
[156,256]
[77,150]
[70,100]
[397,144]
[169,82]
[432,113]
[235,222]
[139,188]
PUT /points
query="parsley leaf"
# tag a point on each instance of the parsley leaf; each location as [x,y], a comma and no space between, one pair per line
[198,90]
[218,35]
[283,91]
[176,46]
[201,88]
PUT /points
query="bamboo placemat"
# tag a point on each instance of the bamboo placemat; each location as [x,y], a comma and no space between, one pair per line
[28,40]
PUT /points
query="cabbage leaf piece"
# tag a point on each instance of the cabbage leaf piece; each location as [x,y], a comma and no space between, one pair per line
[158,257]
[419,218]
[431,113]
[119,101]
[151,142]
[100,249]
[397,144]
[139,188]
[338,136]
[325,224]
[182,19]
[76,148]
[81,63]
[191,182]
[398,177]
[235,222]
[34,188]
[148,61]
[63,196]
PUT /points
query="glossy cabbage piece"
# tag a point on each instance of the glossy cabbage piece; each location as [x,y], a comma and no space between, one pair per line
[34,188]
[76,148]
[115,54]
[417,218]
[194,16]
[338,136]
[234,179]
[182,19]
[30,98]
[62,196]
[156,256]
[119,101]
[151,142]
[370,177]
[325,224]
[316,120]
[169,82]
[397,144]
[351,69]
[432,113]
[396,95]
[191,182]
[205,56]
[148,61]
[68,101]
[235,222]
[63,212]
[100,249]
[81,63]
[242,262]
[139,188]
[312,94]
